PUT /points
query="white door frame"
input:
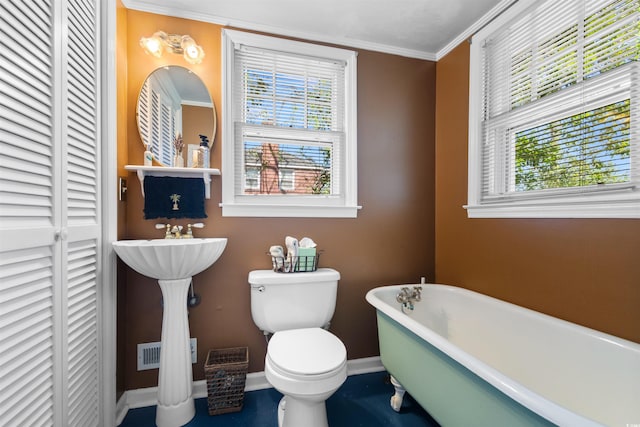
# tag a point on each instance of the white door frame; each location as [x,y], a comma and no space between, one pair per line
[109,150]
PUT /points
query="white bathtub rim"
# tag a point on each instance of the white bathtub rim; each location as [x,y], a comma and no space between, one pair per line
[542,406]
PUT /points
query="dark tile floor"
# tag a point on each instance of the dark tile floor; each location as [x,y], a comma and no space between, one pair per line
[362,401]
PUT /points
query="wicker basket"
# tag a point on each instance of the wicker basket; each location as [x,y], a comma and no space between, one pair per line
[226,372]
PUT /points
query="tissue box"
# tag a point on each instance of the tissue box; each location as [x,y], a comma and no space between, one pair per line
[307,259]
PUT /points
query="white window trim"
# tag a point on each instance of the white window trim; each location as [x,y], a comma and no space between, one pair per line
[292,206]
[621,203]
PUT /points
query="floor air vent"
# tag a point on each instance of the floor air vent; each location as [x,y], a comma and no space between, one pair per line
[149,354]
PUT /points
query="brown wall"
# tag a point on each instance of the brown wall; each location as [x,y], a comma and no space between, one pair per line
[391,241]
[583,270]
[196,121]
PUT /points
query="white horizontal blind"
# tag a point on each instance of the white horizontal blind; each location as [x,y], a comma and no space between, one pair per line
[289,116]
[559,93]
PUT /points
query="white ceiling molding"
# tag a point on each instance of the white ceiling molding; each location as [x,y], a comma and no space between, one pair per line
[477,26]
[430,26]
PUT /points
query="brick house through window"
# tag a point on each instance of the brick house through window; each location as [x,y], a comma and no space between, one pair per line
[272,168]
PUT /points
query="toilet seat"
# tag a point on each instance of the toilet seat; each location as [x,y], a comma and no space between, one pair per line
[307,354]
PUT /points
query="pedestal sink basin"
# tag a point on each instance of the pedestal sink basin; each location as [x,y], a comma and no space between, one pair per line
[173,262]
[167,259]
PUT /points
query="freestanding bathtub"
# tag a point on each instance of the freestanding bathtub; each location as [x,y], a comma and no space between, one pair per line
[472,360]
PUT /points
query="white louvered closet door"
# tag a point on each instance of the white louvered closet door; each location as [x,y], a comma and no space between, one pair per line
[49,213]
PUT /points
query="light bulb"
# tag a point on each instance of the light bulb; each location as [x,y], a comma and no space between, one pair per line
[152,45]
[193,53]
[174,43]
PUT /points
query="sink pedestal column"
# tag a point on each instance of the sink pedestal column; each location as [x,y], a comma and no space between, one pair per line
[175,380]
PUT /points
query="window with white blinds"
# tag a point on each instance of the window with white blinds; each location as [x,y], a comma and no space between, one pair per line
[289,143]
[554,107]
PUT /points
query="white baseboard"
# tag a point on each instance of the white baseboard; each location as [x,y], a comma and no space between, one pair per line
[365,365]
[143,397]
[121,408]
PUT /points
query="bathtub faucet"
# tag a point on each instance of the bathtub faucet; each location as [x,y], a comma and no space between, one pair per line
[407,296]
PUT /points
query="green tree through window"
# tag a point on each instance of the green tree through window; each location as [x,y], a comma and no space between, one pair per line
[587,148]
[584,149]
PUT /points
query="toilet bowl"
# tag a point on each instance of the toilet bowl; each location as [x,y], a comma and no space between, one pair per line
[307,366]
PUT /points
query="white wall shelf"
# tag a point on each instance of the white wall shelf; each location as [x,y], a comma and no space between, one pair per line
[205,173]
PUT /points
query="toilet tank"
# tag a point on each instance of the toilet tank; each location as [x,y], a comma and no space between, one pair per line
[283,301]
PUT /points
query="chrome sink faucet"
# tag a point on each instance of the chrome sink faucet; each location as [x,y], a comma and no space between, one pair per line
[175,232]
[407,296]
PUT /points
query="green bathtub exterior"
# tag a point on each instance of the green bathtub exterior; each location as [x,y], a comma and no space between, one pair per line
[452,394]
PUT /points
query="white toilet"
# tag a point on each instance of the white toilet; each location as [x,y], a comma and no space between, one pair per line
[304,362]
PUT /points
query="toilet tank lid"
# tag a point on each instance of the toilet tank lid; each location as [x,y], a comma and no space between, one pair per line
[270,277]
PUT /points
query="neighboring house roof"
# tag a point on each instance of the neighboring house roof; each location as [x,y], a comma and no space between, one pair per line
[286,159]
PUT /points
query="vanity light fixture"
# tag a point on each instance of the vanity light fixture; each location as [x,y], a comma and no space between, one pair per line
[174,43]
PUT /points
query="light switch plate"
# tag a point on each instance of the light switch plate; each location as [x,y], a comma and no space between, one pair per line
[122,189]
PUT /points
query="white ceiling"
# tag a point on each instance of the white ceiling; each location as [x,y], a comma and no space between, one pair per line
[425,29]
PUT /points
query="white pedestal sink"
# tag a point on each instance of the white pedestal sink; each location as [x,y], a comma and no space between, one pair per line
[173,262]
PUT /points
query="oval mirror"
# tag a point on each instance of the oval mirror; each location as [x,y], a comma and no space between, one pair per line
[174,101]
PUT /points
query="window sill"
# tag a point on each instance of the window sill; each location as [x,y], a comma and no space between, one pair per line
[288,211]
[627,206]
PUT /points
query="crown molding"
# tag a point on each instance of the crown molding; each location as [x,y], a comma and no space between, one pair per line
[151,7]
[475,27]
[148,6]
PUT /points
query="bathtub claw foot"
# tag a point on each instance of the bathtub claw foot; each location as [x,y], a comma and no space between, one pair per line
[396,399]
